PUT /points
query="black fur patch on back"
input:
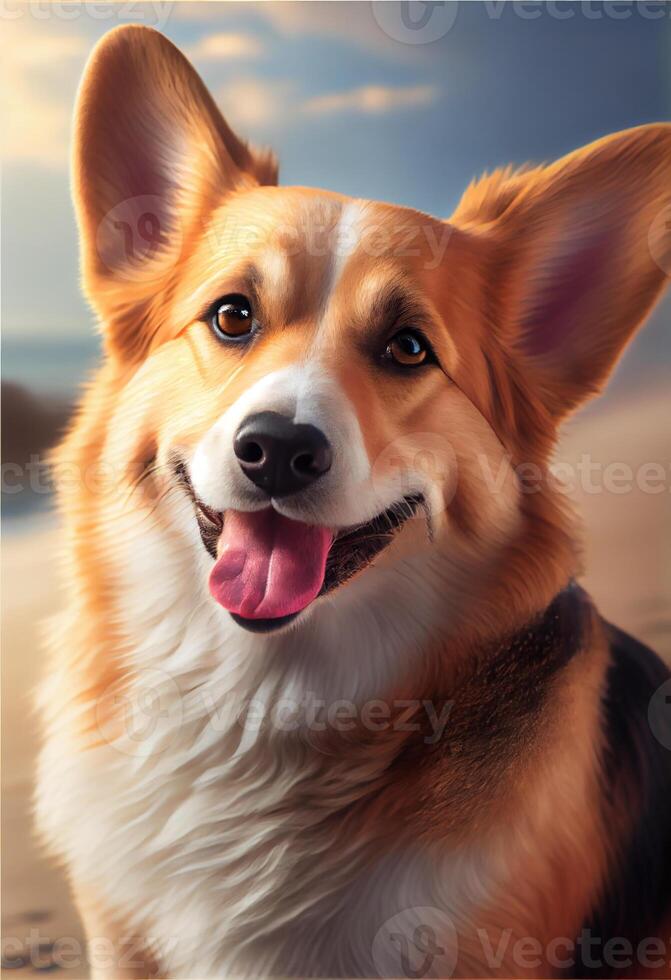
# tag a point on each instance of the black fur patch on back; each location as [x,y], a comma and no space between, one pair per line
[637,785]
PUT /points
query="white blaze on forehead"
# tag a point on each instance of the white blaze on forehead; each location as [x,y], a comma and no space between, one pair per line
[276,270]
[346,238]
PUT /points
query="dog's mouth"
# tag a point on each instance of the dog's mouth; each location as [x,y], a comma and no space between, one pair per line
[269,568]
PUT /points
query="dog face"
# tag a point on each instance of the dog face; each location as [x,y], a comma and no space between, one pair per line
[319,387]
[329,337]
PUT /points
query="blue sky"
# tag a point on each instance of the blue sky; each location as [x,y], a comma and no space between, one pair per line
[344,104]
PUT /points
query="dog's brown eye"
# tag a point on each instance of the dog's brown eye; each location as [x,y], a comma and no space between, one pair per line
[408,349]
[232,317]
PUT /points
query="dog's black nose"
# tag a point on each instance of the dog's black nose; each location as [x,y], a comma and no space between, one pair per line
[279,455]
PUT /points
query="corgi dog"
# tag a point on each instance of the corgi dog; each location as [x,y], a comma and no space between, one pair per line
[324,698]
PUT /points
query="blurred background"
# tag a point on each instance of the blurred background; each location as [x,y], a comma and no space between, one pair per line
[403,102]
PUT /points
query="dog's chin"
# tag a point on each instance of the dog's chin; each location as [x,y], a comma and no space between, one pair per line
[353,550]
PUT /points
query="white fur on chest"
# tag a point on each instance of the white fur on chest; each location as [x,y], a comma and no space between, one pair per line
[236,874]
[217,841]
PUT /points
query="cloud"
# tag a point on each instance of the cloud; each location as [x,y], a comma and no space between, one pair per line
[349,21]
[252,102]
[371,99]
[39,72]
[225,46]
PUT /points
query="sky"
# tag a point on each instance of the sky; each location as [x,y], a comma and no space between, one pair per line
[392,101]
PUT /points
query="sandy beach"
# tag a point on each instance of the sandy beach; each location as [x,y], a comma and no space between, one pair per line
[629,576]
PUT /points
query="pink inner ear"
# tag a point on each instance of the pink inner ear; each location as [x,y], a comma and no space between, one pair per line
[566,292]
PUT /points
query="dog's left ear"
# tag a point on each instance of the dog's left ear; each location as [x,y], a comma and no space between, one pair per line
[580,250]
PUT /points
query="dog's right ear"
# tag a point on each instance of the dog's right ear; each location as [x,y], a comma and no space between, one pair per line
[152,154]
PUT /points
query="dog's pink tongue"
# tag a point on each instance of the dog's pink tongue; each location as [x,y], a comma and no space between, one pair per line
[268,565]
